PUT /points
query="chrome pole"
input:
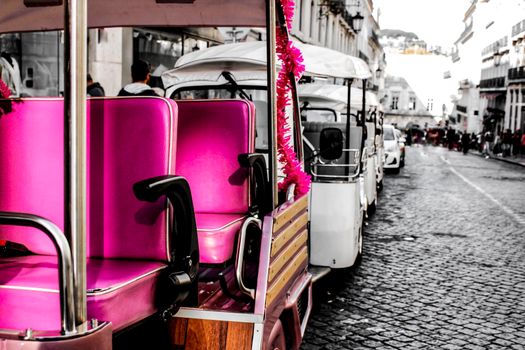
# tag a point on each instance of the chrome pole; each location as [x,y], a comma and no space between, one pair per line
[272,95]
[347,126]
[65,275]
[75,34]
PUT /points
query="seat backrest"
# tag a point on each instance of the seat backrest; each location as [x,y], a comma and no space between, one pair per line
[211,135]
[312,131]
[32,168]
[131,139]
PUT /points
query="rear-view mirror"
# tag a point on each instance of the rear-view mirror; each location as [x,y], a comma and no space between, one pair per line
[331,143]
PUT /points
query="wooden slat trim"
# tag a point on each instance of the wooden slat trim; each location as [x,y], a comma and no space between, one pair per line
[287,255]
[289,213]
[280,283]
[288,233]
[239,336]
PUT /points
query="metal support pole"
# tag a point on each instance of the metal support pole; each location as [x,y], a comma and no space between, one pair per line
[272,112]
[75,34]
[348,111]
[65,276]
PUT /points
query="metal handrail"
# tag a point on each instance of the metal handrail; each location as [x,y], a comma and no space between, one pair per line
[239,260]
[350,176]
[65,262]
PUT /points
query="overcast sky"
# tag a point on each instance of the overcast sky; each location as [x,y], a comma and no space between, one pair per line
[438,22]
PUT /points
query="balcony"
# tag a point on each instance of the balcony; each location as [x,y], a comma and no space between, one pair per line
[517,73]
[492,84]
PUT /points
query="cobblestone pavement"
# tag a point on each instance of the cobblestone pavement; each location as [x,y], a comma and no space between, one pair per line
[443,264]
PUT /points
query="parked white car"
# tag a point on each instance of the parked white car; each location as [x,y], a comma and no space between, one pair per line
[392,150]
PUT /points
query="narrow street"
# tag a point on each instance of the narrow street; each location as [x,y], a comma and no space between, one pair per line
[443,264]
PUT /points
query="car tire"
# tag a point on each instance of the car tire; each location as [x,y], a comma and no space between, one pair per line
[371,208]
[396,170]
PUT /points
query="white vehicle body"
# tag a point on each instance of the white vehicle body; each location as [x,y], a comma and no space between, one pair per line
[336,204]
[392,150]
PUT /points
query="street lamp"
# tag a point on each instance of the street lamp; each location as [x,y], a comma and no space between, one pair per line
[357,22]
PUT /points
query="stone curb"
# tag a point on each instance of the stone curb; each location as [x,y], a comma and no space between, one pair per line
[501,159]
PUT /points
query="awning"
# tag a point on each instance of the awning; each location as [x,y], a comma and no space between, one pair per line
[16,17]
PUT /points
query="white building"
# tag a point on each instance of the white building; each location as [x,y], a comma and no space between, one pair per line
[328,23]
[485,54]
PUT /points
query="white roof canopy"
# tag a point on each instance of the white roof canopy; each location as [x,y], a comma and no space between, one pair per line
[16,17]
[247,61]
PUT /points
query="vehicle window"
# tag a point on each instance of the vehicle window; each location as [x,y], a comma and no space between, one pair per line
[318,115]
[389,134]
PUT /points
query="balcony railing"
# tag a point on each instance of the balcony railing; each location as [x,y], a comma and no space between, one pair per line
[494,83]
[517,73]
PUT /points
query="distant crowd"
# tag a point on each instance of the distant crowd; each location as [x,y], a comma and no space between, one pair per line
[504,144]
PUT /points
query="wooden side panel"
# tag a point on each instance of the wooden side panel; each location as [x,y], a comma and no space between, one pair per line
[240,336]
[198,334]
[289,251]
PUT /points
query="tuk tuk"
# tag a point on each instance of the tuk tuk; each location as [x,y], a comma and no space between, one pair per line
[146,222]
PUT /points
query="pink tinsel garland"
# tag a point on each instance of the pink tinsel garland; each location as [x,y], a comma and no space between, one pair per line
[291,62]
[5,92]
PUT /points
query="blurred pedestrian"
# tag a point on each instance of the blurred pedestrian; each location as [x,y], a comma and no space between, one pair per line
[94,89]
[506,143]
[451,137]
[516,143]
[465,142]
[489,143]
[523,144]
[140,75]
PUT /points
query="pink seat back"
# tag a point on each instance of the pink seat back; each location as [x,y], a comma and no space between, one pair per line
[211,135]
[32,168]
[130,139]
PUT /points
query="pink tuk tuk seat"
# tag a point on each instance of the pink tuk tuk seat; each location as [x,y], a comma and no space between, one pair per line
[129,140]
[211,136]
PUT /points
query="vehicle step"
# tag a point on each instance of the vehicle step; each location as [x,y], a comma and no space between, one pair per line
[318,272]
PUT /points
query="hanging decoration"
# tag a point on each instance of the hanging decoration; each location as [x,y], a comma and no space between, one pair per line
[5,92]
[291,68]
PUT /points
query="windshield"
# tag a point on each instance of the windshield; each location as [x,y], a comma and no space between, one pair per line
[389,134]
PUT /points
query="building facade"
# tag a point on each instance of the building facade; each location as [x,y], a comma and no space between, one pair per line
[111,51]
[486,65]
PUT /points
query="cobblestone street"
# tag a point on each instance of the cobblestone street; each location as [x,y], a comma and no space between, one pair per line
[443,264]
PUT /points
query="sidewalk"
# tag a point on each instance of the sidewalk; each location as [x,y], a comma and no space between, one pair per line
[519,160]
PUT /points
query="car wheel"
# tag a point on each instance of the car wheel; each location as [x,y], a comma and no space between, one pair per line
[396,170]
[371,208]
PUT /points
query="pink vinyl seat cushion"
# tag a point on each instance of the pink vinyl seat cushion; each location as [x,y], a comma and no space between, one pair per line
[118,290]
[130,139]
[217,233]
[211,134]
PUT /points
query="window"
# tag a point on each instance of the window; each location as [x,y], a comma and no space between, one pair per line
[430,104]
[388,134]
[312,19]
[395,103]
[412,103]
